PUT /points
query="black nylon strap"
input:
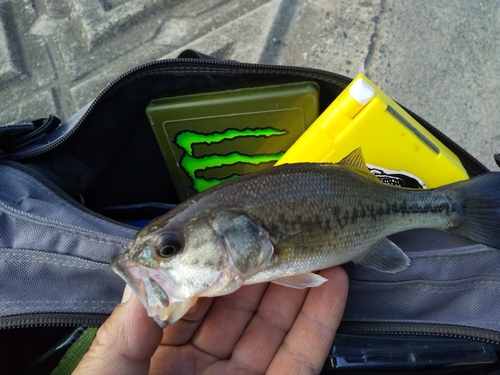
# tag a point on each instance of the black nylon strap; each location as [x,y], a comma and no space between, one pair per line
[19,134]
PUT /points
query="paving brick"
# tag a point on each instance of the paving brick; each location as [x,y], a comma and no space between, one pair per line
[27,74]
[57,8]
[12,64]
[29,107]
[187,25]
[241,39]
[337,37]
[84,52]
[104,19]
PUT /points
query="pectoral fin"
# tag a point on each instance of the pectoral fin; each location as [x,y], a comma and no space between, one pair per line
[384,256]
[305,280]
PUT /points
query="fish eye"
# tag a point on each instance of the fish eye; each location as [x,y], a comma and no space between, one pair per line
[169,245]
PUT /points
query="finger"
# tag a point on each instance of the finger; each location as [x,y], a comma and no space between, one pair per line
[226,320]
[182,331]
[265,333]
[306,346]
[127,293]
[124,344]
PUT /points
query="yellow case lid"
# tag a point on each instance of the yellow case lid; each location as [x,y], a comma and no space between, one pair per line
[364,116]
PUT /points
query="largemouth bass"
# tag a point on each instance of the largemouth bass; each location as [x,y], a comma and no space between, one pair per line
[286,222]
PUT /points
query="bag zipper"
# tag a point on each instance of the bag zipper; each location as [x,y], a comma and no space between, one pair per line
[199,67]
[52,320]
[419,330]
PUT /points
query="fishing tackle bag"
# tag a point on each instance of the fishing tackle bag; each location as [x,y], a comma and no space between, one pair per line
[60,184]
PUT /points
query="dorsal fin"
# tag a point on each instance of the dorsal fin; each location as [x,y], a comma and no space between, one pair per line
[355,160]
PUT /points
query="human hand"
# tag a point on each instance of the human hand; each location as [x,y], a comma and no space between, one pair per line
[262,328]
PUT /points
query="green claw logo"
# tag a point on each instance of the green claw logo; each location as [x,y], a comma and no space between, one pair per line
[193,165]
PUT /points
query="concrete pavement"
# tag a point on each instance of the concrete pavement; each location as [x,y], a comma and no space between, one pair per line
[440,59]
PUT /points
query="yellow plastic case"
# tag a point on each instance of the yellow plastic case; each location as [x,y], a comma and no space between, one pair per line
[364,116]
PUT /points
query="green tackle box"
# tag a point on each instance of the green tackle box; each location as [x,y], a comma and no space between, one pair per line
[207,138]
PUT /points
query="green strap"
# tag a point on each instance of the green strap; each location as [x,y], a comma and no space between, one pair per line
[75,353]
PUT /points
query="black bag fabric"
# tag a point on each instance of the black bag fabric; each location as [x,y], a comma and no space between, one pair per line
[57,233]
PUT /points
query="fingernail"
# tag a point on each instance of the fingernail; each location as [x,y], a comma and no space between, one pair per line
[127,294]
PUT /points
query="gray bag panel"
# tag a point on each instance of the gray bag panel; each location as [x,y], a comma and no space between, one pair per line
[450,281]
[54,256]
[55,283]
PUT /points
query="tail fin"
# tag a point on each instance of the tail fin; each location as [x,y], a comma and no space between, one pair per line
[481,207]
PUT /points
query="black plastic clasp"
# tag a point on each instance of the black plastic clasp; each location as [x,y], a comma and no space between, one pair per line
[16,135]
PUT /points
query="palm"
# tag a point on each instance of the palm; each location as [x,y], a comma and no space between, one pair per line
[258,327]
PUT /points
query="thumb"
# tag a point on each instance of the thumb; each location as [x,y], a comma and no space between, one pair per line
[125,343]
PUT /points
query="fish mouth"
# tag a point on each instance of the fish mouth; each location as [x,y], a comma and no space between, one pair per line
[152,296]
[160,307]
